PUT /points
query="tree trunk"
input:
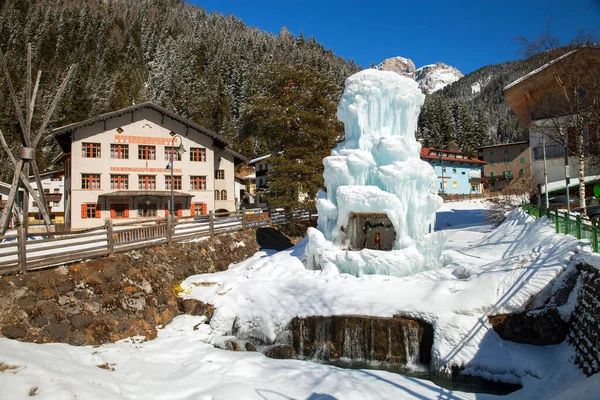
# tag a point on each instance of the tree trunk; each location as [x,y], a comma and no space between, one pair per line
[581,159]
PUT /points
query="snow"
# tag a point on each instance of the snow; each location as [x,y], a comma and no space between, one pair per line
[501,269]
[560,185]
[378,169]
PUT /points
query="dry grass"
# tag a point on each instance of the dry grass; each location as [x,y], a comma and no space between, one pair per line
[107,366]
[7,367]
[33,391]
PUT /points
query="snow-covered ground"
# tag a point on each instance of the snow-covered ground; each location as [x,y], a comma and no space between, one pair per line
[488,271]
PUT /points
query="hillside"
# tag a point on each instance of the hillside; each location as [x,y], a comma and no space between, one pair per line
[472,112]
[205,67]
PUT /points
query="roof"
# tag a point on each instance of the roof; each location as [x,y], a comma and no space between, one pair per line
[137,193]
[505,144]
[560,185]
[261,158]
[426,154]
[225,143]
[537,71]
[49,173]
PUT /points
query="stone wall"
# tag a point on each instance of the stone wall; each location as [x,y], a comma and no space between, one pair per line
[585,331]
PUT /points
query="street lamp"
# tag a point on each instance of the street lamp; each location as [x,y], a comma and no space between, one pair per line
[180,150]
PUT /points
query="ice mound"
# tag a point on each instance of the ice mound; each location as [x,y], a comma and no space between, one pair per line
[376,170]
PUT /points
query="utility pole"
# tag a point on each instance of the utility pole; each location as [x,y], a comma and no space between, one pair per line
[545,173]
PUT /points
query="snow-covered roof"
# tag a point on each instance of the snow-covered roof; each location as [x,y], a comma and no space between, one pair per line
[560,185]
[255,160]
[543,67]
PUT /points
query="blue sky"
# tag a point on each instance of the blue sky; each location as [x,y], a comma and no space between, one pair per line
[465,34]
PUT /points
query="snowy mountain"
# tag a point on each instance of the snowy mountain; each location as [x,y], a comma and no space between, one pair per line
[431,78]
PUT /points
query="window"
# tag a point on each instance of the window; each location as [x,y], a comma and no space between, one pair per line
[146,152]
[454,170]
[46,191]
[521,149]
[217,195]
[119,182]
[56,190]
[55,204]
[492,174]
[56,178]
[147,182]
[223,194]
[491,163]
[90,210]
[90,181]
[491,153]
[522,171]
[506,151]
[90,150]
[198,209]
[176,182]
[220,174]
[172,150]
[147,210]
[120,151]
[522,160]
[197,182]
[197,154]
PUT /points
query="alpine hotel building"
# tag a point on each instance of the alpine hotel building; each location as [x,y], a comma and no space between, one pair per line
[117,165]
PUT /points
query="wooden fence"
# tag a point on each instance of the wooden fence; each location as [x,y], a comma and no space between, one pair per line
[471,196]
[20,252]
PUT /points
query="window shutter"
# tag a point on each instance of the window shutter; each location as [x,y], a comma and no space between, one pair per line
[98,211]
[113,213]
[167,211]
[83,210]
[179,210]
[193,210]
[204,210]
[126,212]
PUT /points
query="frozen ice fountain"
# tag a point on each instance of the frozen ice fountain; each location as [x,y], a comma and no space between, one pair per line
[378,212]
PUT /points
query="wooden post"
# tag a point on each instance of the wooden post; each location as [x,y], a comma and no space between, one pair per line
[110,239]
[243,219]
[211,223]
[169,228]
[22,241]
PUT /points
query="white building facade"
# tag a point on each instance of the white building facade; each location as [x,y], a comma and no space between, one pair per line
[118,166]
[53,187]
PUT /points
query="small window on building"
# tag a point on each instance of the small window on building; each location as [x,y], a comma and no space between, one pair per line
[46,191]
[197,154]
[454,185]
[119,151]
[491,153]
[55,204]
[90,210]
[491,163]
[217,195]
[56,190]
[90,181]
[522,160]
[90,150]
[506,151]
[521,149]
[454,170]
[119,182]
[176,182]
[198,209]
[223,194]
[147,182]
[463,172]
[146,152]
[172,151]
[522,171]
[492,174]
[197,182]
[220,174]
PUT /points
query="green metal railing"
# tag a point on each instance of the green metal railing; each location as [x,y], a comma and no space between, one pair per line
[569,224]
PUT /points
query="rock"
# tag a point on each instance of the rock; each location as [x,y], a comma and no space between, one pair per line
[533,327]
[249,347]
[195,307]
[65,286]
[47,294]
[162,299]
[63,299]
[40,320]
[281,352]
[123,325]
[81,321]
[137,303]
[81,295]
[59,331]
[25,302]
[14,331]
[76,309]
[232,345]
[91,307]
[76,339]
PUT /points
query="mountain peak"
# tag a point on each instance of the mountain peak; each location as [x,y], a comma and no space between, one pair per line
[430,78]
